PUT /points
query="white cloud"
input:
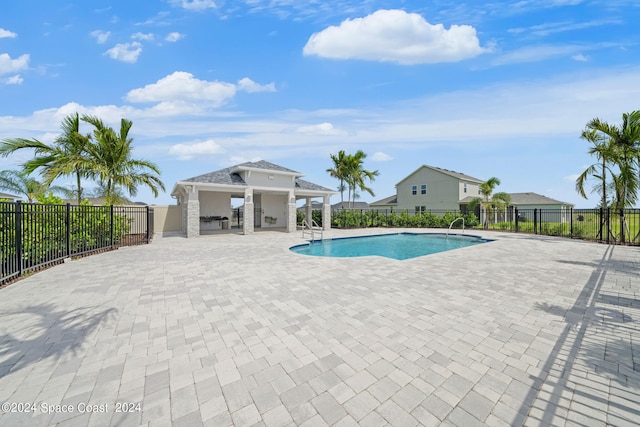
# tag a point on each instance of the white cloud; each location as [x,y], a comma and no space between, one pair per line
[538,53]
[248,85]
[7,34]
[324,129]
[379,156]
[8,65]
[195,4]
[101,36]
[395,36]
[142,36]
[14,80]
[125,52]
[188,151]
[183,86]
[173,36]
[580,57]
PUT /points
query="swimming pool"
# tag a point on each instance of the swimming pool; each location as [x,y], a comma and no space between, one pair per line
[398,246]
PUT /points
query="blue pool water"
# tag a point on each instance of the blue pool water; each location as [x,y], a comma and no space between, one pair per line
[397,246]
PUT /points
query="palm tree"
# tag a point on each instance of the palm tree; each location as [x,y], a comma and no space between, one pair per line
[624,141]
[625,144]
[112,164]
[339,171]
[490,201]
[356,175]
[66,156]
[21,183]
[605,154]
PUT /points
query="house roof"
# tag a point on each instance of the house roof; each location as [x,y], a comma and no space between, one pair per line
[534,199]
[230,176]
[454,174]
[525,199]
[391,200]
[8,196]
[352,205]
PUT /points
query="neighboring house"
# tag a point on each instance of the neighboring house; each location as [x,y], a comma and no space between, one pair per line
[101,201]
[556,211]
[430,188]
[269,192]
[353,205]
[9,197]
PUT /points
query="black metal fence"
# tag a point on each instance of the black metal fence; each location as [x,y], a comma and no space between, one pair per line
[615,226]
[34,236]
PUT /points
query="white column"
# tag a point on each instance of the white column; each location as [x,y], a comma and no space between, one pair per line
[248,220]
[291,212]
[326,213]
[308,215]
[193,212]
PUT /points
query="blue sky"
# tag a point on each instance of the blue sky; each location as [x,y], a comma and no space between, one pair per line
[498,88]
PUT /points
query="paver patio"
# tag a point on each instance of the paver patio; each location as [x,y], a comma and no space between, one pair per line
[237,330]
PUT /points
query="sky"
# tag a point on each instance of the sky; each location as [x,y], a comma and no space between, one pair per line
[499,88]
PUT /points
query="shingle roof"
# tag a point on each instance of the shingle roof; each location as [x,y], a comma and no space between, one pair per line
[387,200]
[306,185]
[455,174]
[352,205]
[534,199]
[229,176]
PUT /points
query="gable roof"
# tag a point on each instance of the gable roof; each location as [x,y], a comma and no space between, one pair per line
[458,175]
[534,199]
[232,176]
[352,205]
[391,200]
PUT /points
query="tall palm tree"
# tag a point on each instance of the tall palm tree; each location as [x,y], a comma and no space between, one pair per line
[339,171]
[625,142]
[489,200]
[605,154]
[21,183]
[357,174]
[113,166]
[67,155]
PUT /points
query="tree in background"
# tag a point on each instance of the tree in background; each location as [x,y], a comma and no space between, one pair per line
[339,171]
[357,174]
[112,164]
[623,154]
[490,203]
[66,156]
[604,152]
[349,170]
[21,183]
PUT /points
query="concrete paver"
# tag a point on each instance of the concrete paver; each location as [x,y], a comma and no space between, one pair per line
[238,330]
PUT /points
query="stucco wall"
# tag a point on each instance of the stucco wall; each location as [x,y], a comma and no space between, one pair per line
[258,179]
[214,204]
[167,218]
[274,206]
[443,191]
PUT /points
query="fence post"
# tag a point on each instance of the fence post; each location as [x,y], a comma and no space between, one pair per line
[571,222]
[535,221]
[608,224]
[111,227]
[623,237]
[67,224]
[18,220]
[601,223]
[148,223]
[517,215]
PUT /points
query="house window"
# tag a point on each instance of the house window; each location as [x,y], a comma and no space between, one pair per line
[414,190]
[423,189]
[465,187]
[421,209]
